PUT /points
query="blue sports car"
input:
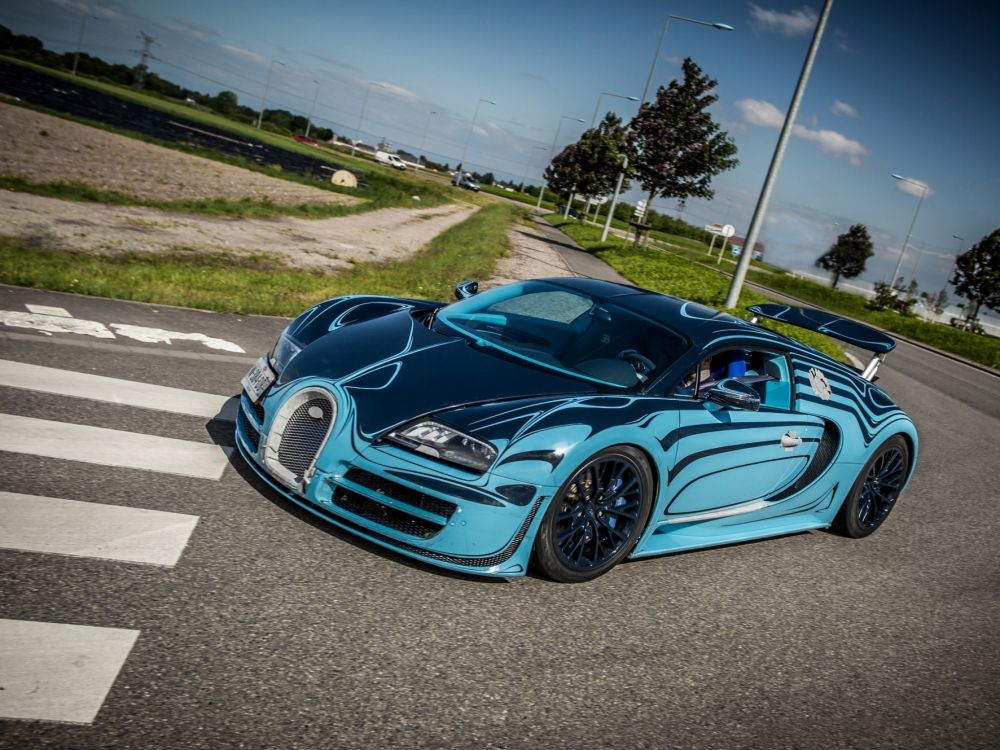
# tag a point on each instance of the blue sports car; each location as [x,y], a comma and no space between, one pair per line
[570,424]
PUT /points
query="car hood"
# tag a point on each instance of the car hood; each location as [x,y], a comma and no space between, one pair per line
[396,369]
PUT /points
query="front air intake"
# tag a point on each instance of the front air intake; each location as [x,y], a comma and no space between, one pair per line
[298,432]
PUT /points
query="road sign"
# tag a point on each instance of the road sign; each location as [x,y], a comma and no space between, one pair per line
[640,211]
[728,231]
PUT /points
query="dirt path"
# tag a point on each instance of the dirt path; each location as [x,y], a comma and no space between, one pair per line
[530,257]
[43,148]
[322,244]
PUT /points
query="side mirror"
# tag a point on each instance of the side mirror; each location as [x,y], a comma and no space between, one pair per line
[734,393]
[466,289]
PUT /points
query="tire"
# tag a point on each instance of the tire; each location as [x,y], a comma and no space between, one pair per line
[875,491]
[593,523]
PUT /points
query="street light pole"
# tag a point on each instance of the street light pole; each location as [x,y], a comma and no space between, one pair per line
[923,192]
[598,105]
[361,117]
[652,70]
[472,126]
[79,41]
[527,167]
[267,85]
[733,298]
[423,138]
[312,110]
[552,152]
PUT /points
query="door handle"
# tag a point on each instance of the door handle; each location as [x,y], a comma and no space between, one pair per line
[789,440]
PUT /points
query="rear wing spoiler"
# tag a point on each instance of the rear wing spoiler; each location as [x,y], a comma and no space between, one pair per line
[842,329]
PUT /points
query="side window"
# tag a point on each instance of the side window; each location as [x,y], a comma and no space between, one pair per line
[766,372]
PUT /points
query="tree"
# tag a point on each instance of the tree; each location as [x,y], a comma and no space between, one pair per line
[977,275]
[564,170]
[848,255]
[225,103]
[676,147]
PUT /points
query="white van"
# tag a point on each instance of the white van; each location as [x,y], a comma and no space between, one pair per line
[384,157]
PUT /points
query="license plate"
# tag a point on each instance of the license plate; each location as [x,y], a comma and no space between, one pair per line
[259,379]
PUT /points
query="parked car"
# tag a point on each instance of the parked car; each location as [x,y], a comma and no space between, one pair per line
[465,180]
[384,157]
[305,139]
[570,424]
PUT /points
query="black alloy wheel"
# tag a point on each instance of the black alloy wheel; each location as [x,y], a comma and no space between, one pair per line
[597,516]
[876,489]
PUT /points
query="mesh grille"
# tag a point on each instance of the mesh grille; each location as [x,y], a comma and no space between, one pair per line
[248,430]
[258,409]
[825,452]
[384,515]
[400,492]
[303,435]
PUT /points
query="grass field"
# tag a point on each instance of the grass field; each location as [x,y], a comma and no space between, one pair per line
[262,284]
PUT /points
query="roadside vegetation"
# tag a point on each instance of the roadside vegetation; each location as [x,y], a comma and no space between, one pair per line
[261,284]
[685,270]
[676,275]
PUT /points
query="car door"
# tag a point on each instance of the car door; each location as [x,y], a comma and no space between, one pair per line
[725,456]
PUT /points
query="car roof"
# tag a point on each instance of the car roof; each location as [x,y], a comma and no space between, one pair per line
[699,323]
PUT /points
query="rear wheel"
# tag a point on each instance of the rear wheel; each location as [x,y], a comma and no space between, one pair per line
[876,489]
[597,516]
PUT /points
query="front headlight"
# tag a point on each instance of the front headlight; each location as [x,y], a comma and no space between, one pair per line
[284,351]
[441,442]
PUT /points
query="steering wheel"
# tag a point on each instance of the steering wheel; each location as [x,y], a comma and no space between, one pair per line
[643,365]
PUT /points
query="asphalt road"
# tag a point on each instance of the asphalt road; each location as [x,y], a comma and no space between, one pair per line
[273,630]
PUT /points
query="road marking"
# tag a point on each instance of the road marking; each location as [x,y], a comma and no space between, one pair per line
[49,320]
[115,391]
[55,672]
[54,324]
[109,532]
[160,336]
[60,312]
[99,445]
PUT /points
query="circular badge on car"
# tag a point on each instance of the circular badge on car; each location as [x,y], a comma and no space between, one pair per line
[819,385]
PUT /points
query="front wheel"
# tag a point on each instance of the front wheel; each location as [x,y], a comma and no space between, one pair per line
[876,489]
[597,516]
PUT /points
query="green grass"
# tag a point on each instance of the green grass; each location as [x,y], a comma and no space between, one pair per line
[676,275]
[261,284]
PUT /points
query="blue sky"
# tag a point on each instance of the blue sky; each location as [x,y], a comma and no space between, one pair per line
[905,87]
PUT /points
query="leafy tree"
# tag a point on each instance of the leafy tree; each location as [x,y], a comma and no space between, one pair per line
[225,103]
[848,255]
[564,171]
[676,146]
[977,275]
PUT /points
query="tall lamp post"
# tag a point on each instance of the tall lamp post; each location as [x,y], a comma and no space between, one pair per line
[423,138]
[527,168]
[267,85]
[733,297]
[652,70]
[472,126]
[312,110]
[361,117]
[552,152]
[923,193]
[79,41]
[958,251]
[608,93]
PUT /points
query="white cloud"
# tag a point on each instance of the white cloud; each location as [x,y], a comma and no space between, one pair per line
[913,186]
[765,114]
[793,23]
[758,112]
[244,53]
[399,91]
[843,108]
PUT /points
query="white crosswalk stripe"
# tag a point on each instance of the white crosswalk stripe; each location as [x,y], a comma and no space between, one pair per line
[100,445]
[110,532]
[53,671]
[115,391]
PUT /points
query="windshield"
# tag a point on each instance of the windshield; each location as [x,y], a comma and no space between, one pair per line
[568,331]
